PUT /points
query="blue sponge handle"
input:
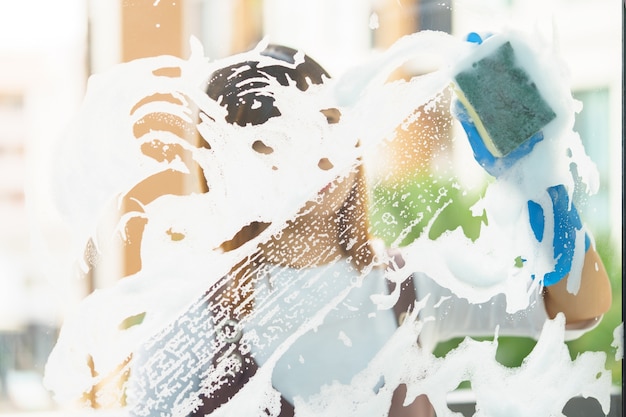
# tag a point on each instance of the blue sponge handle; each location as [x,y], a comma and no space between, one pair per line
[567,224]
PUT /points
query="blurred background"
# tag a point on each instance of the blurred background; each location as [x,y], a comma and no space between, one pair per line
[48,50]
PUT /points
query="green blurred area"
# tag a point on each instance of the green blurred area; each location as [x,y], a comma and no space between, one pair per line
[402,211]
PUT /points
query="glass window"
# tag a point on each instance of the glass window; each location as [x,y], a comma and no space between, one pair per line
[275,217]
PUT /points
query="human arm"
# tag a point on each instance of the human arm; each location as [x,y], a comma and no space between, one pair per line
[592,300]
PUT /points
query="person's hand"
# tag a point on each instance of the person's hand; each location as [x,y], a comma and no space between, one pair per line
[564,216]
[567,227]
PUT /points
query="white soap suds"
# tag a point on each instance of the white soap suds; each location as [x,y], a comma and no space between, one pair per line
[103,160]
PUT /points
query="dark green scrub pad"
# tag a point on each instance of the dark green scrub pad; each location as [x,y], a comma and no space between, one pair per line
[502,100]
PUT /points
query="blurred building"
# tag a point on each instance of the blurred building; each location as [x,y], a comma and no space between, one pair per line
[42,78]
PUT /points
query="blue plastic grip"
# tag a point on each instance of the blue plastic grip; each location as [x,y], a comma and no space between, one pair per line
[474,37]
[567,223]
[537,219]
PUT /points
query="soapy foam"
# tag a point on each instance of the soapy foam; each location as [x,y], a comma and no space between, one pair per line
[103,160]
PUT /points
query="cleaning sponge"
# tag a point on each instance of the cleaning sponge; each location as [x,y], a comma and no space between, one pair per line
[504,115]
[502,101]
